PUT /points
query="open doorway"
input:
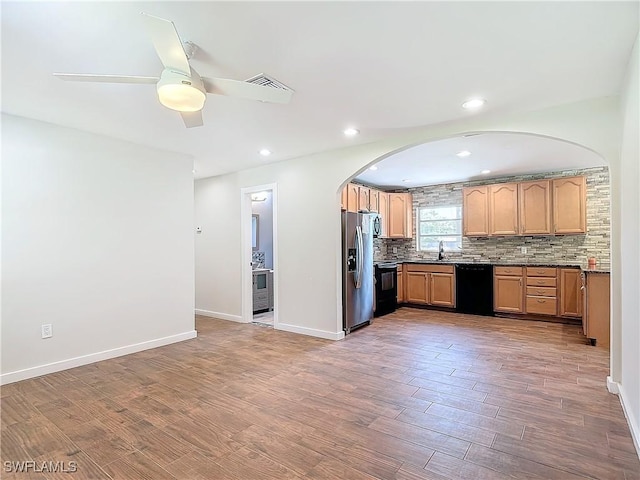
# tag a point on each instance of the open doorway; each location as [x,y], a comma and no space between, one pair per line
[259,254]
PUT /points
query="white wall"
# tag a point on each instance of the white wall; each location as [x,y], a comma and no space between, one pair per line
[97,240]
[627,282]
[265,230]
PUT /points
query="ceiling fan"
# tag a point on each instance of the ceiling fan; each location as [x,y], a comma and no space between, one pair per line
[179,86]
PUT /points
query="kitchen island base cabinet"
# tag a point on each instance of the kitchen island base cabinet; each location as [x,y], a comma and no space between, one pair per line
[570,292]
[597,302]
[400,284]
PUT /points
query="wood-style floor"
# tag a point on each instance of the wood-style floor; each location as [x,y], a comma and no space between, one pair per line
[417,395]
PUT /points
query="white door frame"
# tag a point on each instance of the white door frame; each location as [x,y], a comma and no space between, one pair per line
[245,235]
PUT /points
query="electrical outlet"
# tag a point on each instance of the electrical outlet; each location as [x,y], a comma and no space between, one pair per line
[523,250]
[395,249]
[47,331]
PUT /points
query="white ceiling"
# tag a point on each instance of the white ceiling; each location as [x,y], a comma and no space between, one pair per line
[502,154]
[380,66]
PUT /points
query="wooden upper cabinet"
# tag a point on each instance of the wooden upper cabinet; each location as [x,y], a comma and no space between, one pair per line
[475,211]
[400,215]
[534,207]
[363,198]
[343,198]
[352,197]
[503,209]
[383,210]
[374,200]
[569,205]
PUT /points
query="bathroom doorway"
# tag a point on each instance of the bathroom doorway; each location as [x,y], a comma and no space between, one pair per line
[259,292]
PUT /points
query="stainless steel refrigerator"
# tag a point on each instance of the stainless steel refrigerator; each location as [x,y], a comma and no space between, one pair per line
[357,270]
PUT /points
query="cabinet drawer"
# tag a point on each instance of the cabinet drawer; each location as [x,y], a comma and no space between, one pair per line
[260,296]
[541,272]
[541,281]
[542,291]
[541,305]
[413,267]
[508,270]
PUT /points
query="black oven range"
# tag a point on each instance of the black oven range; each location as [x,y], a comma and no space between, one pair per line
[386,287]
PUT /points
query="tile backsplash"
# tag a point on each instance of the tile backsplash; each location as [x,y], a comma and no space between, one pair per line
[554,249]
[258,259]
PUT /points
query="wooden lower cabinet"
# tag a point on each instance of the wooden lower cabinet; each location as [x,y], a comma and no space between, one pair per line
[430,284]
[442,289]
[508,290]
[400,284]
[570,292]
[597,302]
[541,293]
[417,287]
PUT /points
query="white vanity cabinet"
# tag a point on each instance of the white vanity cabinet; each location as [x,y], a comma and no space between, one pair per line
[262,290]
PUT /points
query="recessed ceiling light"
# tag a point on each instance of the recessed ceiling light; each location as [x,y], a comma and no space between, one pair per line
[484,172]
[474,103]
[463,153]
[265,152]
[351,132]
[406,180]
[373,167]
[193,171]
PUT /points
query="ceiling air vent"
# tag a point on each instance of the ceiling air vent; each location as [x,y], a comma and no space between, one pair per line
[267,81]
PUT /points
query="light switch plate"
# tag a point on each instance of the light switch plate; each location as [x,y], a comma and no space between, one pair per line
[47,331]
[523,250]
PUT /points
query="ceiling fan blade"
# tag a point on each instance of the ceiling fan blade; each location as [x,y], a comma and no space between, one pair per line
[192,119]
[90,77]
[251,91]
[167,42]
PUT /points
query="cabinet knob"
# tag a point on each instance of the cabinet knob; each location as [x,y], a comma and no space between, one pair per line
[541,301]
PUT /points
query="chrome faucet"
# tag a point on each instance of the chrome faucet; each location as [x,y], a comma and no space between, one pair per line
[441,250]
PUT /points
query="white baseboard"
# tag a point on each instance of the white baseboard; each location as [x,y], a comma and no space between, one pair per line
[613,387]
[310,331]
[221,316]
[634,427]
[53,367]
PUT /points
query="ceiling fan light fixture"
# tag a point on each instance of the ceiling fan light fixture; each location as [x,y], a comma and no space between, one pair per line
[181,92]
[474,103]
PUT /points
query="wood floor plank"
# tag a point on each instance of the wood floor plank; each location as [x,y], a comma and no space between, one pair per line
[419,394]
[455,468]
[136,465]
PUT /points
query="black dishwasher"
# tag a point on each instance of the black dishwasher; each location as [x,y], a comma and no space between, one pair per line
[474,289]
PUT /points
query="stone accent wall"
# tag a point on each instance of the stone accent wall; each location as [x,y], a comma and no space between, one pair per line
[568,249]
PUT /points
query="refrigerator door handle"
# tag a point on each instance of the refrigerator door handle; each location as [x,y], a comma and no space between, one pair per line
[359,257]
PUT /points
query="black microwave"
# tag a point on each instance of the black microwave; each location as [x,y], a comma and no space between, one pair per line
[376,225]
